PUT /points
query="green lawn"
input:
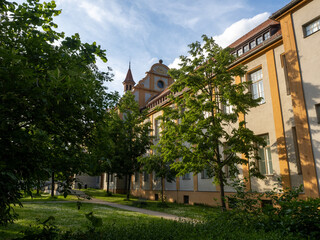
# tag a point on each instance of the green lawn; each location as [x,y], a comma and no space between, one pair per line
[67,216]
[122,225]
[47,197]
[199,212]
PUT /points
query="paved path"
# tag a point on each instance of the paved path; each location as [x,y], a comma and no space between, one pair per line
[140,210]
[124,207]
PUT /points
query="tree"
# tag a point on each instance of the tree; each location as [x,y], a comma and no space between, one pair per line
[51,98]
[209,135]
[155,163]
[104,148]
[133,138]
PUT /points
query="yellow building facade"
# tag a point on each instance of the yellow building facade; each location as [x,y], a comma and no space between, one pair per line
[282,56]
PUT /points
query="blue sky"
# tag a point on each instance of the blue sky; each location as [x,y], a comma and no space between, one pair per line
[144,31]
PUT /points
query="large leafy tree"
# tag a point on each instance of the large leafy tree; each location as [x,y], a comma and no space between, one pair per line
[203,131]
[104,149]
[133,137]
[51,98]
[156,164]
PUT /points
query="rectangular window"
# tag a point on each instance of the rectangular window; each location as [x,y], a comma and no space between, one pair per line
[226,154]
[246,48]
[204,174]
[285,70]
[317,106]
[186,176]
[136,177]
[265,161]
[259,40]
[157,129]
[311,27]
[296,150]
[240,52]
[227,108]
[111,177]
[253,44]
[145,176]
[266,36]
[155,178]
[257,85]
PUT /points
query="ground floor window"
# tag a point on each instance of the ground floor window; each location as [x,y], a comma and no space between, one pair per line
[265,161]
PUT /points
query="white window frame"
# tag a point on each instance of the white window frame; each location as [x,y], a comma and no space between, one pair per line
[157,129]
[252,44]
[186,176]
[265,162]
[256,78]
[266,36]
[145,176]
[311,27]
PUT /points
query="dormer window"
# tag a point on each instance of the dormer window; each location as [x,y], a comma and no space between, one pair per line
[259,40]
[246,48]
[253,44]
[240,52]
[266,36]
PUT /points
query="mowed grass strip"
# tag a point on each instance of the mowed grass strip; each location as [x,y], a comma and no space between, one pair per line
[199,212]
[67,217]
[47,197]
[122,225]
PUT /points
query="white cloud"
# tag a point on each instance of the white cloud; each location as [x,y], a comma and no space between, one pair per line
[232,33]
[240,28]
[94,12]
[175,63]
[192,14]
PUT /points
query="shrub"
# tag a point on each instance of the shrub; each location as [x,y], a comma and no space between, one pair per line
[286,213]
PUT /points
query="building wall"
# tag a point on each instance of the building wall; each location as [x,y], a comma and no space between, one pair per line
[288,119]
[89,181]
[309,59]
[282,112]
[261,121]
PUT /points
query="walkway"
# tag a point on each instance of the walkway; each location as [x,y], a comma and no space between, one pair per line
[124,207]
[140,210]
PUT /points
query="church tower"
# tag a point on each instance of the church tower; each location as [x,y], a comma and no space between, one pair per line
[128,83]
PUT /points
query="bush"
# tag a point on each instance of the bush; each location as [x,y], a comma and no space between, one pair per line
[286,213]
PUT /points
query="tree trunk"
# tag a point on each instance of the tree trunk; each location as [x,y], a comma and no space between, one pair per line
[223,202]
[125,184]
[52,184]
[128,186]
[108,183]
[38,186]
[162,190]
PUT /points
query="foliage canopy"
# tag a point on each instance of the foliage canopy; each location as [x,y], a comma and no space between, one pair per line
[202,128]
[52,95]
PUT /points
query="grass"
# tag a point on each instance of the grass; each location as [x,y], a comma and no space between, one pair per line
[199,212]
[67,217]
[120,224]
[47,197]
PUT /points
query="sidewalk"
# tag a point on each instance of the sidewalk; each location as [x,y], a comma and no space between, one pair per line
[123,207]
[140,210]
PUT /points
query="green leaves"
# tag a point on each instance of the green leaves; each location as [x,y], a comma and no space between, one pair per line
[51,97]
[207,134]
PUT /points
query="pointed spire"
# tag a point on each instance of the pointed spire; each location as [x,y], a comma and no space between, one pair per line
[128,82]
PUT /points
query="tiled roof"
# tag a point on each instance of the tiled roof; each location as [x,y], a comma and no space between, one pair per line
[253,32]
[284,9]
[129,78]
[259,47]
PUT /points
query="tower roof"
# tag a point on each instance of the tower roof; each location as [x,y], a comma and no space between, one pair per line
[129,78]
